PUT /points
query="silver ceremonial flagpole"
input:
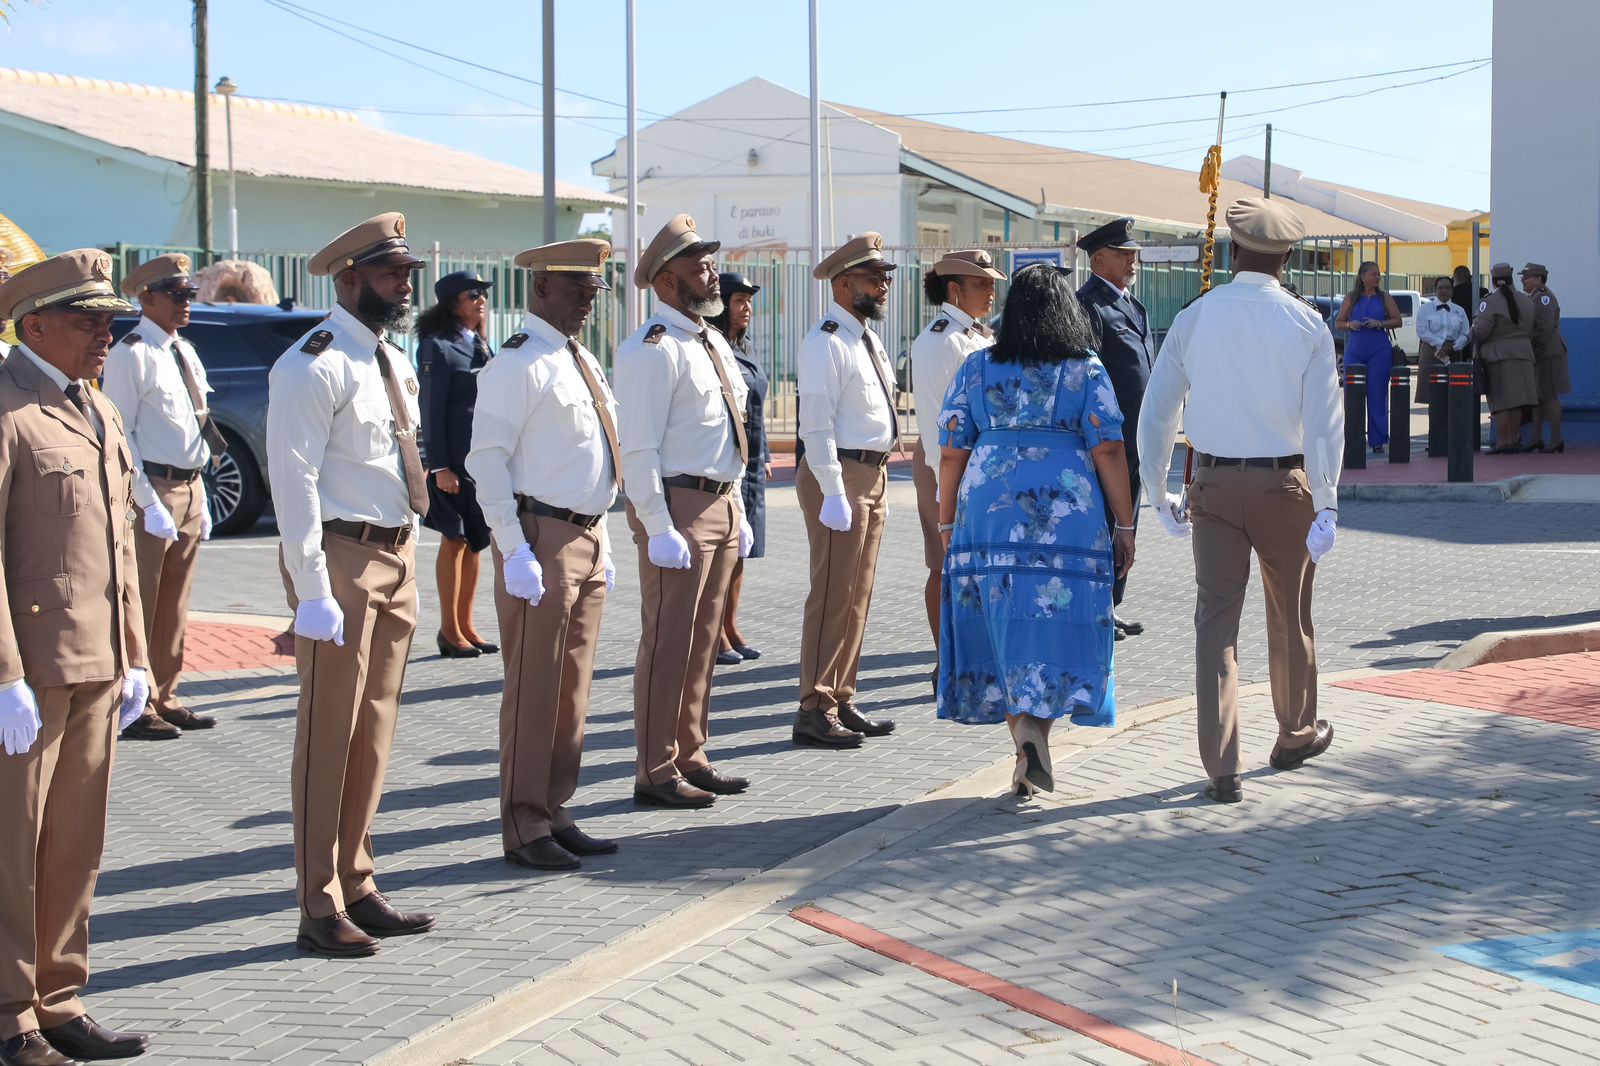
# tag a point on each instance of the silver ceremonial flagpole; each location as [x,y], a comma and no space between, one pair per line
[634,296]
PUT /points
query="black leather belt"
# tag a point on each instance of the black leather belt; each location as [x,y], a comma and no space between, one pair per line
[171,473]
[529,505]
[1275,462]
[861,455]
[390,537]
[699,484]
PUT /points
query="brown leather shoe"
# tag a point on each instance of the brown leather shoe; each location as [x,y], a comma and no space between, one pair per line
[30,1049]
[675,793]
[335,935]
[817,728]
[185,719]
[151,726]
[1293,758]
[543,854]
[374,915]
[1225,789]
[851,718]
[578,842]
[83,1038]
[708,780]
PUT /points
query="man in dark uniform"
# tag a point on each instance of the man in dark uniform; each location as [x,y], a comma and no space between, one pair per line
[1127,348]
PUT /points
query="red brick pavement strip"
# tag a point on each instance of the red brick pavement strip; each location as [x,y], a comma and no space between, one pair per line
[215,646]
[1023,999]
[1422,470]
[1564,689]
[783,465]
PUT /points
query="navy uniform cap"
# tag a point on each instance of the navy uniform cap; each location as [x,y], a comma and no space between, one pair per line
[1118,233]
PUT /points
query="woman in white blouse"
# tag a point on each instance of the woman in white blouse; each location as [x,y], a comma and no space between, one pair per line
[1442,329]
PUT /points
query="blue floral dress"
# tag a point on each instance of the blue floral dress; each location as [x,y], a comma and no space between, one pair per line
[1025,612]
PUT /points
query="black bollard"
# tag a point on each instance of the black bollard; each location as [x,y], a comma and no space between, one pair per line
[1463,422]
[1438,411]
[1400,414]
[1355,417]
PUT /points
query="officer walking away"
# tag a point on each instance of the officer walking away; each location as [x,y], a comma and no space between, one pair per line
[545,396]
[1549,358]
[159,387]
[72,655]
[1128,350]
[848,428]
[348,485]
[1257,368]
[961,288]
[684,450]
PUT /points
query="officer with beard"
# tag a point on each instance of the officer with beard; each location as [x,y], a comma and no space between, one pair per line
[348,485]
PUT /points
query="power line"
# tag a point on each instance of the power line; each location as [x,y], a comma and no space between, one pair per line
[1374,151]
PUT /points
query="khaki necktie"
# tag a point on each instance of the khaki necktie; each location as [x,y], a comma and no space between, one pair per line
[607,426]
[202,415]
[80,400]
[405,435]
[735,415]
[888,394]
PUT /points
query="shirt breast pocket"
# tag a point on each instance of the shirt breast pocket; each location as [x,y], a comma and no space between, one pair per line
[63,474]
[372,437]
[575,407]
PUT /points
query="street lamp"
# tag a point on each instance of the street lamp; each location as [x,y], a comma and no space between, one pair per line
[226,89]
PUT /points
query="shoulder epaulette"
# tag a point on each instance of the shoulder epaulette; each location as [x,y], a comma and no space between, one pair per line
[940,325]
[830,326]
[1193,298]
[654,334]
[317,343]
[130,337]
[516,340]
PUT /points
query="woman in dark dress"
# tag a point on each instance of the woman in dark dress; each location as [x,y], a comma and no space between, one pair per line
[738,294]
[452,351]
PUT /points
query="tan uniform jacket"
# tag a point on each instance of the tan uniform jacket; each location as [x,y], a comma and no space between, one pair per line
[1547,340]
[70,611]
[1496,336]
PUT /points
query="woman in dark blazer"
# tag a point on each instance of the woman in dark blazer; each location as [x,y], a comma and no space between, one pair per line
[738,294]
[452,351]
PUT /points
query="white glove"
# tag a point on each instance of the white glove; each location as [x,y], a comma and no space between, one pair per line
[158,522]
[835,513]
[135,692]
[1168,509]
[669,551]
[320,619]
[524,575]
[19,718]
[205,517]
[747,539]
[1324,531]
[611,572]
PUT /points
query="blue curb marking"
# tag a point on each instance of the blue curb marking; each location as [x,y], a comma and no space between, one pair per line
[1568,963]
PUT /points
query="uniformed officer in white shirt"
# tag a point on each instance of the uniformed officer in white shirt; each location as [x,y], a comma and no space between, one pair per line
[684,449]
[158,384]
[1256,365]
[546,462]
[961,286]
[848,428]
[347,486]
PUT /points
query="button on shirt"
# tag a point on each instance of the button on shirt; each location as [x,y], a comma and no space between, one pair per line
[843,403]
[936,355]
[331,446]
[674,420]
[1257,367]
[142,379]
[535,431]
[1443,322]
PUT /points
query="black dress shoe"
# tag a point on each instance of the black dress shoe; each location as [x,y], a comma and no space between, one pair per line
[1293,758]
[448,650]
[708,780]
[851,718]
[82,1038]
[30,1049]
[747,652]
[1118,634]
[151,727]
[729,657]
[374,916]
[817,728]
[675,793]
[334,935]
[543,854]
[485,647]
[1133,629]
[1225,789]
[578,842]
[185,719]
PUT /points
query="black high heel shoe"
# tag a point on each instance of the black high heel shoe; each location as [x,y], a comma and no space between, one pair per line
[485,647]
[1556,448]
[448,650]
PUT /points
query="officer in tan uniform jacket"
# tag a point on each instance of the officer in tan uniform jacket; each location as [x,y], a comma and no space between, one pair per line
[72,654]
[1550,371]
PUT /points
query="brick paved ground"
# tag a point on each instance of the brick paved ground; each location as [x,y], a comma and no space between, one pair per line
[1561,688]
[194,917]
[216,647]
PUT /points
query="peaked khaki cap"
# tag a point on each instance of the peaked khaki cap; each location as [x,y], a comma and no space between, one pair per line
[1263,225]
[865,249]
[976,262]
[79,280]
[153,272]
[582,259]
[379,237]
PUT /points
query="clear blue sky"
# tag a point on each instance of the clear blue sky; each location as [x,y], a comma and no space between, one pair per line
[1428,141]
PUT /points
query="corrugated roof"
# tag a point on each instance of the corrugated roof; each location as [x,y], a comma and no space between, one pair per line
[270,139]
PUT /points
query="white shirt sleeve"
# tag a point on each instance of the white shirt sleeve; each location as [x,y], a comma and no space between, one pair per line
[505,405]
[1159,415]
[1322,415]
[123,384]
[1432,325]
[819,369]
[300,408]
[643,385]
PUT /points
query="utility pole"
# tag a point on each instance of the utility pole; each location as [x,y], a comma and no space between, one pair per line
[634,301]
[549,121]
[1266,173]
[202,135]
[816,166]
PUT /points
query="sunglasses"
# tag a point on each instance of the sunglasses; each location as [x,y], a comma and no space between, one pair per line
[186,296]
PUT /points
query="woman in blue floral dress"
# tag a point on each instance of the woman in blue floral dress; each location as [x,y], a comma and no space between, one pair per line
[1031,437]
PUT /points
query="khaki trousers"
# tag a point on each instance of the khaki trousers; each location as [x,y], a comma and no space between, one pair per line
[349,699]
[681,611]
[926,483]
[842,569]
[166,574]
[1236,511]
[549,655]
[54,799]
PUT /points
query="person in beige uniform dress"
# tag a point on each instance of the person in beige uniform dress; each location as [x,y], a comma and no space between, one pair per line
[347,486]
[681,399]
[159,385]
[1551,373]
[545,396]
[1502,338]
[72,654]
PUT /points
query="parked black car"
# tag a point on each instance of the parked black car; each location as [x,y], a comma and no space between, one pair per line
[238,343]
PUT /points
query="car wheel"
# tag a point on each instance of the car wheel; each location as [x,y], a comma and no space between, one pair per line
[234,492]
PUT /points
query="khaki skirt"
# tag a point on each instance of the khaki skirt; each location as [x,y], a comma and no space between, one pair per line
[1552,377]
[1512,384]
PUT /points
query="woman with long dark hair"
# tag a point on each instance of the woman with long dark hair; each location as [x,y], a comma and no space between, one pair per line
[1032,449]
[1367,315]
[1502,332]
[452,351]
